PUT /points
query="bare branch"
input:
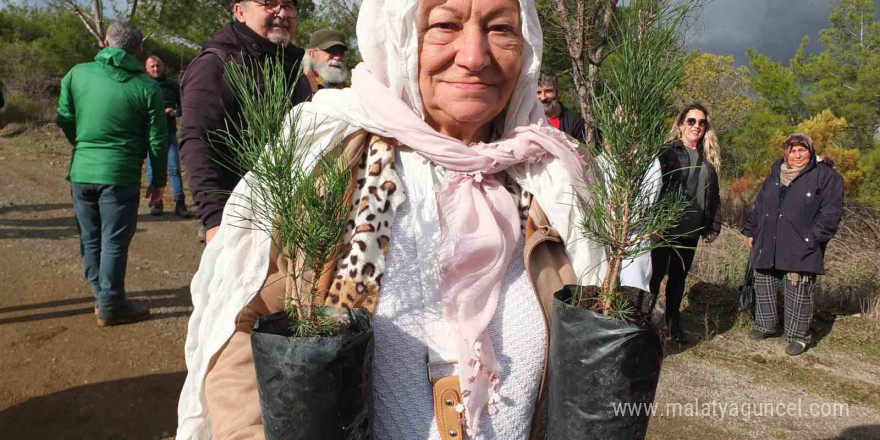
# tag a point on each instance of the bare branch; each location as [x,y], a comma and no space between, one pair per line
[98,9]
[602,36]
[86,21]
[132,9]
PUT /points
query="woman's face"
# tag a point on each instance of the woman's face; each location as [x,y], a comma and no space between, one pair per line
[693,127]
[798,156]
[470,57]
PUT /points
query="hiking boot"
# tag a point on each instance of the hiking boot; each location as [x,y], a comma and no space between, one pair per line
[129,313]
[180,208]
[758,335]
[795,348]
[157,209]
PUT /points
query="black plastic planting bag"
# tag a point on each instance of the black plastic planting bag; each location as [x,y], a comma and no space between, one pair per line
[313,388]
[598,364]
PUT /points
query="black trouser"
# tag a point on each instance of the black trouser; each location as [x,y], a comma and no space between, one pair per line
[676,262]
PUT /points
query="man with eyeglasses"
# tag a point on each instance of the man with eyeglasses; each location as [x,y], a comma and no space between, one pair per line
[324,63]
[260,30]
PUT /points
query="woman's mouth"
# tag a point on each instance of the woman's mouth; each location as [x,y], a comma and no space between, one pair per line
[472,86]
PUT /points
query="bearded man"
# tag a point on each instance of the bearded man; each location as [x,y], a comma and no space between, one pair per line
[259,31]
[558,115]
[324,63]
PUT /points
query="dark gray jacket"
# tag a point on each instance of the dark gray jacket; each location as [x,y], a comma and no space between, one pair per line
[208,102]
[791,233]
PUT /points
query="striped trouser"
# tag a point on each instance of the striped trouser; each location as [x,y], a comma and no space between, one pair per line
[798,303]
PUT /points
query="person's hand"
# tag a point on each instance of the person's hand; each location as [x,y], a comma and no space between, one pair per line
[154,193]
[169,111]
[750,240]
[711,238]
[210,233]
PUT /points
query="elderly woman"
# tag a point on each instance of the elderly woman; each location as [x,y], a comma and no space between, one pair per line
[465,224]
[690,164]
[796,213]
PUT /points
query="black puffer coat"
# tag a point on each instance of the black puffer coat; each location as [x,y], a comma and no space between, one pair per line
[791,234]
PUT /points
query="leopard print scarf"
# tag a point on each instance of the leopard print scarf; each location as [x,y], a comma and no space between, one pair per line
[357,275]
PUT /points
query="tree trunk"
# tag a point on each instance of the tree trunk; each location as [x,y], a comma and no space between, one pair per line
[587,34]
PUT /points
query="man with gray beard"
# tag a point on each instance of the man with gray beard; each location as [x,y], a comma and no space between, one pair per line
[260,30]
[324,63]
[557,114]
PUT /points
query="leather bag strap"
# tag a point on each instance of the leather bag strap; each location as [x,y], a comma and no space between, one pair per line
[447,398]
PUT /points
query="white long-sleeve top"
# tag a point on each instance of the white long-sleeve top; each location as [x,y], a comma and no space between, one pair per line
[402,393]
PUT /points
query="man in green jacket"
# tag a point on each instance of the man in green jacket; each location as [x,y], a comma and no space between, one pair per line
[113,114]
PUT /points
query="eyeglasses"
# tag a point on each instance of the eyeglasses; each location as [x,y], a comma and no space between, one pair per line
[691,121]
[275,7]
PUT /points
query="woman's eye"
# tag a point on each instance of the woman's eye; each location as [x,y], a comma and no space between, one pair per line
[444,26]
[505,28]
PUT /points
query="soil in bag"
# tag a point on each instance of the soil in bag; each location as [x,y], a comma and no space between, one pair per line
[599,363]
[313,388]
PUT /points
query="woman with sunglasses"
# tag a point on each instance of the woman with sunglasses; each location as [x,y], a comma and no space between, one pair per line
[690,162]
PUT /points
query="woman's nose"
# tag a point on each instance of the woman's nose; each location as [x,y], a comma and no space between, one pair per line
[473,49]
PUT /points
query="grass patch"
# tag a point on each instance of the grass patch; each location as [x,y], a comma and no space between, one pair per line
[744,322]
[855,335]
[21,108]
[41,140]
[786,373]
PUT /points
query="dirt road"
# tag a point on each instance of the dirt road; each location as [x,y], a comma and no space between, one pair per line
[63,377]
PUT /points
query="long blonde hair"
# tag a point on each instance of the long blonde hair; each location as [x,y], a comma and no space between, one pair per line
[709,141]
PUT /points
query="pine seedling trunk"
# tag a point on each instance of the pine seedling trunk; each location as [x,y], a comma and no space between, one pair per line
[629,104]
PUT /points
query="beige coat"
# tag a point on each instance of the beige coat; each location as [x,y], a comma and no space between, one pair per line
[231,387]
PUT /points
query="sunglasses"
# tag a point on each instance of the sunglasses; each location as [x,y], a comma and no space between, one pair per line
[691,121]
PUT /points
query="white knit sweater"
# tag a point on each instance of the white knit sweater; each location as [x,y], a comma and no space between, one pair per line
[402,396]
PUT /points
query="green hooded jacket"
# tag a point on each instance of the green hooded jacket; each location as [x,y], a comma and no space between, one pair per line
[113,114]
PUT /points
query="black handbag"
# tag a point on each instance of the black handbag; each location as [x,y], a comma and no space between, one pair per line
[747,290]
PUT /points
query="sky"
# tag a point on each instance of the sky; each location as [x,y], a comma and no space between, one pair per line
[729,27]
[773,27]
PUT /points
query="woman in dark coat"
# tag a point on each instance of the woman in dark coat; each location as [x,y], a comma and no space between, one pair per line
[690,163]
[795,215]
